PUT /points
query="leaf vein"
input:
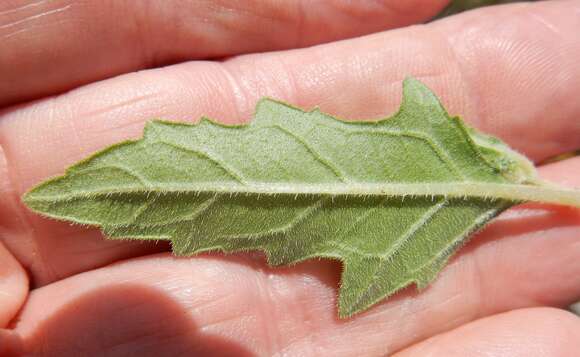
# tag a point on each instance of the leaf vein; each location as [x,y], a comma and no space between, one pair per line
[386,258]
[441,155]
[212,157]
[312,151]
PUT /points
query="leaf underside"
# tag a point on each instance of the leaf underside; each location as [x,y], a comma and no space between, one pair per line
[299,185]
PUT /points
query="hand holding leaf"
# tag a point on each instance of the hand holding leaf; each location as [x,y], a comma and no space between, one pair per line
[93,296]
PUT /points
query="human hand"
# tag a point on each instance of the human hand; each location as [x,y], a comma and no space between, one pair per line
[510,70]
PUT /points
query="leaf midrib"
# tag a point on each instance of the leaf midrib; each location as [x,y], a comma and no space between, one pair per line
[463,189]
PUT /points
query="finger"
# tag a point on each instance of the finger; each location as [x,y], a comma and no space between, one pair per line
[50,46]
[357,78]
[526,258]
[13,286]
[537,332]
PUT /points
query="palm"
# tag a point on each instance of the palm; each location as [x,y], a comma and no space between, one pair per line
[486,65]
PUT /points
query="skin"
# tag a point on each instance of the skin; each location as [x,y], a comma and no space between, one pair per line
[510,71]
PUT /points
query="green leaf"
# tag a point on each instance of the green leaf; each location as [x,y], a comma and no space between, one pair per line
[457,6]
[392,199]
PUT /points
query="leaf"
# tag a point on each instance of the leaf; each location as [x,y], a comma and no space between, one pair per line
[457,6]
[392,199]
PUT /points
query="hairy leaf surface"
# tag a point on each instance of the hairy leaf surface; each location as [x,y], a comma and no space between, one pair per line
[392,199]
